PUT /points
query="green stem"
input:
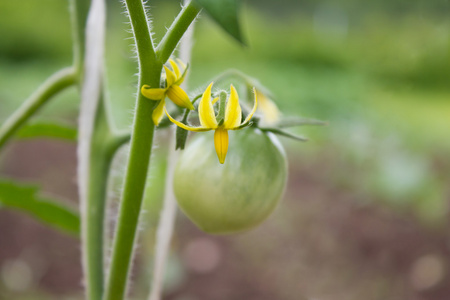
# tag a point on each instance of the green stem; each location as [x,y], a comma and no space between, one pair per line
[176,31]
[54,84]
[139,157]
[141,140]
[138,162]
[79,14]
[104,144]
[101,155]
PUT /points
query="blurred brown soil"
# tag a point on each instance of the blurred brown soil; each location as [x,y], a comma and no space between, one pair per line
[321,243]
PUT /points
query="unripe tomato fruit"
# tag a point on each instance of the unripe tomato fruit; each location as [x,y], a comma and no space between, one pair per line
[236,195]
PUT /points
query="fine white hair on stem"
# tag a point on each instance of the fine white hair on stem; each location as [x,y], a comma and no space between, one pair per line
[91,92]
[167,217]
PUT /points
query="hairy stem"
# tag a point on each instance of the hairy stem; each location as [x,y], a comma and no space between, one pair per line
[176,31]
[101,154]
[139,157]
[54,84]
[103,147]
[94,156]
[150,67]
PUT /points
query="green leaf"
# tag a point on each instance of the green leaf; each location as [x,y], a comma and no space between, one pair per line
[50,130]
[225,13]
[25,198]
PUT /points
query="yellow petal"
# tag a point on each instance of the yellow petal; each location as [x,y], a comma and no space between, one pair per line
[175,68]
[179,97]
[206,110]
[221,143]
[255,105]
[233,110]
[152,94]
[184,126]
[170,76]
[215,100]
[158,112]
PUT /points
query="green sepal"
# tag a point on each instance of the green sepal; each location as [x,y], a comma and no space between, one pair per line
[225,13]
[47,130]
[243,125]
[181,137]
[26,198]
[183,75]
[181,134]
[286,122]
[285,134]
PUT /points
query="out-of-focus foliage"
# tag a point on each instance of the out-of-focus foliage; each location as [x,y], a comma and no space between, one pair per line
[47,130]
[26,198]
[225,13]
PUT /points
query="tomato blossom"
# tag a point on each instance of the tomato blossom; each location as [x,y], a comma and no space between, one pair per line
[173,91]
[231,120]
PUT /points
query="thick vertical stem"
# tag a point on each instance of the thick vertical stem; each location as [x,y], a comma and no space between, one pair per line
[150,67]
[139,157]
[93,157]
[138,162]
[101,156]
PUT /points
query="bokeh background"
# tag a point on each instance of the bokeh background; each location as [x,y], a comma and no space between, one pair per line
[365,214]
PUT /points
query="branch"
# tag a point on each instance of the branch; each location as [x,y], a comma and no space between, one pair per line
[176,31]
[54,84]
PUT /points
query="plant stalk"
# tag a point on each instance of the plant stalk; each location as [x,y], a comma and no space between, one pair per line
[94,154]
[102,150]
[150,67]
[139,157]
[176,31]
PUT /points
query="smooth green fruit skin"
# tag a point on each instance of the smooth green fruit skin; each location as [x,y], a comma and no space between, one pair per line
[237,195]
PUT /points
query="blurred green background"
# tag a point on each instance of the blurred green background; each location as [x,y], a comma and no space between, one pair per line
[366,212]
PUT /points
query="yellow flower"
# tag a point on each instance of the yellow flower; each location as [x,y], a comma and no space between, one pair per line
[173,91]
[221,124]
[269,110]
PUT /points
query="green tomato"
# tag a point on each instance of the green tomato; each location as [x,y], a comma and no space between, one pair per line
[236,195]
